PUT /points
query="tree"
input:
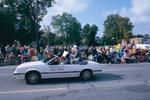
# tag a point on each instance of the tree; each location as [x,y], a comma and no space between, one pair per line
[117,28]
[92,34]
[85,33]
[29,13]
[48,37]
[89,34]
[7,25]
[68,27]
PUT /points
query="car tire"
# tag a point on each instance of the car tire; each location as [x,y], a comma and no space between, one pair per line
[86,75]
[32,77]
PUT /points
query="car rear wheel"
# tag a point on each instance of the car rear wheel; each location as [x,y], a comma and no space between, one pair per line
[32,77]
[86,74]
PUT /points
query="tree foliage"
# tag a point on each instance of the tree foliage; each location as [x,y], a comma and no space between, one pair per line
[117,28]
[89,34]
[7,25]
[28,14]
[67,27]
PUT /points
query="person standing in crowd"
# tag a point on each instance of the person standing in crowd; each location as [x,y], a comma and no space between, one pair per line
[25,53]
[3,50]
[31,52]
[94,53]
[123,44]
[1,57]
[133,44]
[41,54]
[125,58]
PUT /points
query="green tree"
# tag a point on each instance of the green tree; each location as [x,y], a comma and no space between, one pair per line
[67,27]
[89,34]
[7,25]
[29,13]
[117,28]
[92,35]
[85,33]
[49,38]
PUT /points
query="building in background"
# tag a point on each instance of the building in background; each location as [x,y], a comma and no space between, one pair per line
[136,40]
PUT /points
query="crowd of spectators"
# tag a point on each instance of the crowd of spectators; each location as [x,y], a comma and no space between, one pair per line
[121,53]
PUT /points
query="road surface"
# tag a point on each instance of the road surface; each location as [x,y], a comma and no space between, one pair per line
[116,82]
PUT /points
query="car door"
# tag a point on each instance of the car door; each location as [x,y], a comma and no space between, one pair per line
[56,71]
[63,70]
[72,70]
[52,68]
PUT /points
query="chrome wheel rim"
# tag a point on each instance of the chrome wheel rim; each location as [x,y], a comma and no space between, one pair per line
[33,78]
[86,75]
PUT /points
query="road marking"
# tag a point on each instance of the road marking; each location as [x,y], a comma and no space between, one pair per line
[27,91]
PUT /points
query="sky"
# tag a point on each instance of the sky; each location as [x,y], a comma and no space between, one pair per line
[96,12]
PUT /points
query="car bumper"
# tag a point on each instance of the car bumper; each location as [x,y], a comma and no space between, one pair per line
[19,76]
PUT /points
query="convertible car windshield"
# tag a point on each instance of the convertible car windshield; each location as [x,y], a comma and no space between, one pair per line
[46,60]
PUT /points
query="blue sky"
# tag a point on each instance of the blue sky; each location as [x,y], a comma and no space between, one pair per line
[96,11]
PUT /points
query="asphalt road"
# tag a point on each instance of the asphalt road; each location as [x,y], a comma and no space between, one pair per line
[116,82]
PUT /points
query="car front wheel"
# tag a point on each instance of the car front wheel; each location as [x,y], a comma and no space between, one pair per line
[86,74]
[32,77]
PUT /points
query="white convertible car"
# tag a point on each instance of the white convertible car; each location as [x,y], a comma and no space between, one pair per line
[32,72]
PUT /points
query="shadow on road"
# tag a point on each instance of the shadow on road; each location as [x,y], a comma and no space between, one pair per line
[98,78]
[107,77]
